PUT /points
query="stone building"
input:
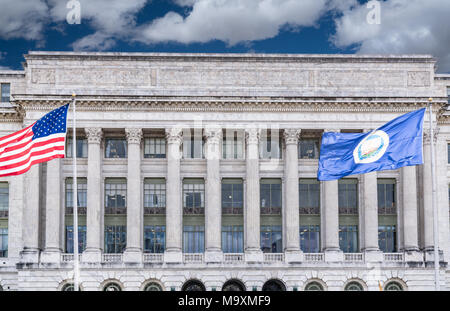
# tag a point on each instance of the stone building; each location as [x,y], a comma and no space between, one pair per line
[198,172]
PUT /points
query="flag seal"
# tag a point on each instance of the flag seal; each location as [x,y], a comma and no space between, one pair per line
[371,148]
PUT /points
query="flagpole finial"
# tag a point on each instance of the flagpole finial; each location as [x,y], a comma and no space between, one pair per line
[430,99]
[73,94]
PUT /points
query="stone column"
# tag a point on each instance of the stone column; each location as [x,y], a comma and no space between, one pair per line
[291,210]
[213,211]
[442,195]
[252,228]
[428,241]
[371,249]
[30,252]
[174,210]
[135,212]
[52,251]
[410,220]
[94,211]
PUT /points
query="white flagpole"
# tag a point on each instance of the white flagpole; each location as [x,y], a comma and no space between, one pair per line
[75,200]
[433,196]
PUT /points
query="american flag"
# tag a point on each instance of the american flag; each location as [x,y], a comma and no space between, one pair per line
[40,142]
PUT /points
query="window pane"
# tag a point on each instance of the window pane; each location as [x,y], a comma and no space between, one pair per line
[5,92]
[386,197]
[154,239]
[115,239]
[3,242]
[192,144]
[271,239]
[154,196]
[115,195]
[310,238]
[81,239]
[308,149]
[116,148]
[232,144]
[193,239]
[4,197]
[348,196]
[232,239]
[348,239]
[270,144]
[154,148]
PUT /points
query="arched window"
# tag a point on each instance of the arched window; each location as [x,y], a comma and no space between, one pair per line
[273,286]
[393,286]
[112,287]
[68,287]
[193,286]
[233,286]
[153,287]
[313,286]
[354,286]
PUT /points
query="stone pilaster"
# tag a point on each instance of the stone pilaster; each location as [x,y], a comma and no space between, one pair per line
[94,212]
[135,213]
[174,209]
[213,212]
[252,213]
[53,206]
[291,208]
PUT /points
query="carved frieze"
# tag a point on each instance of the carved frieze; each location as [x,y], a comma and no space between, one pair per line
[360,78]
[418,78]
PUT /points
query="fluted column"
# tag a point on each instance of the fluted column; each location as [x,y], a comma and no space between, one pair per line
[291,207]
[213,213]
[53,213]
[30,252]
[174,210]
[252,228]
[135,213]
[94,212]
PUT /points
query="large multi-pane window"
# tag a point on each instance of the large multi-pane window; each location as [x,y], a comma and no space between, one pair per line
[81,195]
[387,215]
[270,144]
[6,92]
[308,148]
[115,239]
[270,196]
[193,144]
[154,239]
[115,195]
[309,196]
[348,238]
[310,238]
[271,239]
[348,196]
[193,238]
[82,147]
[3,242]
[232,239]
[232,196]
[155,147]
[193,196]
[81,239]
[4,199]
[115,148]
[154,196]
[233,144]
[348,215]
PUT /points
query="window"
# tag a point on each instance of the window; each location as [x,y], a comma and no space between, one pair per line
[194,196]
[192,144]
[68,287]
[193,286]
[81,239]
[387,238]
[448,95]
[233,239]
[3,242]
[348,196]
[155,148]
[448,153]
[348,238]
[193,239]
[313,286]
[112,287]
[309,196]
[354,286]
[152,287]
[270,144]
[115,239]
[270,193]
[232,196]
[310,238]
[273,286]
[393,286]
[308,148]
[233,144]
[271,239]
[386,197]
[4,199]
[116,148]
[233,286]
[154,196]
[81,198]
[6,92]
[82,147]
[115,195]
[154,239]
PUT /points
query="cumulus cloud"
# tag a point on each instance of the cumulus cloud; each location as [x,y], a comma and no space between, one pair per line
[406,26]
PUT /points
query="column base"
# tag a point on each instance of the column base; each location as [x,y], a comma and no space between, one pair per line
[173,256]
[334,255]
[51,255]
[91,255]
[429,255]
[29,255]
[254,256]
[213,256]
[293,256]
[132,256]
[413,255]
[373,255]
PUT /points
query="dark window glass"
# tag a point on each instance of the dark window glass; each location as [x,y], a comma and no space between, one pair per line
[271,239]
[193,239]
[154,239]
[386,197]
[387,238]
[4,199]
[194,196]
[270,144]
[309,196]
[81,239]
[348,238]
[3,242]
[81,195]
[448,153]
[348,196]
[82,145]
[115,239]
[154,148]
[270,196]
[233,239]
[309,148]
[193,144]
[310,238]
[154,196]
[6,92]
[116,148]
[115,196]
[232,196]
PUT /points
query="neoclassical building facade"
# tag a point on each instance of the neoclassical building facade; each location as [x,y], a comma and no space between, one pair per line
[198,172]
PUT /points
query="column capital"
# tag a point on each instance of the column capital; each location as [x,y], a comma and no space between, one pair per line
[134,135]
[291,136]
[252,136]
[94,135]
[213,135]
[174,135]
[426,135]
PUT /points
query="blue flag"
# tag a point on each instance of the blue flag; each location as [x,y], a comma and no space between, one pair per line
[396,144]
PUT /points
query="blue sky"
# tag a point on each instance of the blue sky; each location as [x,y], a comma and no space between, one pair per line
[227,26]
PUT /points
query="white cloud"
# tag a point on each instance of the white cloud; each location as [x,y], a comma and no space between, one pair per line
[406,26]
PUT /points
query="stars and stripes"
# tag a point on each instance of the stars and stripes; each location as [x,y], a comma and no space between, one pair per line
[40,142]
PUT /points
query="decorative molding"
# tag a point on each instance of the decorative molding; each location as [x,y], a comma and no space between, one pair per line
[252,136]
[94,135]
[291,136]
[426,135]
[213,135]
[134,135]
[174,135]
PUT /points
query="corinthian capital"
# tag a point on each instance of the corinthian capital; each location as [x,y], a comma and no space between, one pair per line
[252,136]
[213,135]
[291,136]
[426,135]
[174,135]
[94,135]
[134,135]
